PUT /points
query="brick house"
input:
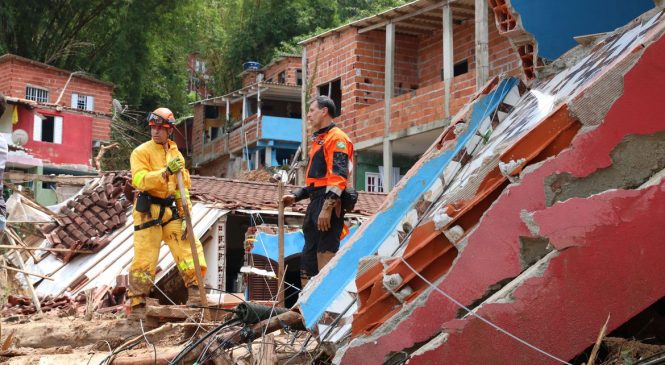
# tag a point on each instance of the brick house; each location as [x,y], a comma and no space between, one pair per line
[198,75]
[55,116]
[430,82]
[256,126]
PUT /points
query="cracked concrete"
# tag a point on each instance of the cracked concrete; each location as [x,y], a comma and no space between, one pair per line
[634,160]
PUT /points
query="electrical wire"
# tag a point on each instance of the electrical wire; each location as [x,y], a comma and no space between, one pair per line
[148,342]
[483,319]
[191,347]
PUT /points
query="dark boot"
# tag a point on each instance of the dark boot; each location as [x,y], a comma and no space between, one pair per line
[193,296]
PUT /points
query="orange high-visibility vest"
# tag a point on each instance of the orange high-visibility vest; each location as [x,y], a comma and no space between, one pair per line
[330,160]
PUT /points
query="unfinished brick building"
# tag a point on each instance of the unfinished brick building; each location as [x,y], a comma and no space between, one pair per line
[256,126]
[433,66]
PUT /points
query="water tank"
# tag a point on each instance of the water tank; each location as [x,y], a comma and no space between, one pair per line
[251,65]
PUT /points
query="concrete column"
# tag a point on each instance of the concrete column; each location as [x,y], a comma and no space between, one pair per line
[258,101]
[211,253]
[303,111]
[388,95]
[448,64]
[268,156]
[482,52]
[244,107]
[257,158]
[228,110]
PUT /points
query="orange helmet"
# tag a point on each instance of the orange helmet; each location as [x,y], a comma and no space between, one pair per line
[161,116]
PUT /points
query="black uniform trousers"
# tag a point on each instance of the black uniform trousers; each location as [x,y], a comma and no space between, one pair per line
[315,240]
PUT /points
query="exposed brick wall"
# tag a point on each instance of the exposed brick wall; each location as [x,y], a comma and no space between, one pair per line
[249,77]
[289,64]
[246,134]
[359,60]
[197,131]
[25,73]
[5,78]
[217,167]
[101,128]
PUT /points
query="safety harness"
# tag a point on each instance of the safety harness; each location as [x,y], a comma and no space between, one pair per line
[163,204]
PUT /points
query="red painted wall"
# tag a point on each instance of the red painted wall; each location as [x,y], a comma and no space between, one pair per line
[17,73]
[76,147]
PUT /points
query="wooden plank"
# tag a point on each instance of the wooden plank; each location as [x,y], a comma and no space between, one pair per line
[192,244]
[267,356]
[280,243]
[448,64]
[482,50]
[48,249]
[387,97]
[61,179]
[33,293]
[25,272]
[402,17]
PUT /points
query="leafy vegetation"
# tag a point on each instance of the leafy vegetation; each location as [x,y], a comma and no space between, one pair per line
[142,45]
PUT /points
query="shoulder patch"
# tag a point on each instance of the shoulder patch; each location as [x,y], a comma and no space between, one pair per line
[341,145]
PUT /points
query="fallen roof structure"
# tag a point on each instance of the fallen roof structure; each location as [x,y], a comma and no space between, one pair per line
[99,219]
[530,196]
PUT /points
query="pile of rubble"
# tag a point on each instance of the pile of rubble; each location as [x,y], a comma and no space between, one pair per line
[86,221]
[23,305]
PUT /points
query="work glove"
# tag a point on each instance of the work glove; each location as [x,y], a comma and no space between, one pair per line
[183,229]
[175,165]
[323,223]
[288,200]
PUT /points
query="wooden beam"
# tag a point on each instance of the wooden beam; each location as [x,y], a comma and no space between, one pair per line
[411,25]
[448,64]
[26,272]
[482,49]
[303,114]
[33,293]
[61,179]
[389,86]
[402,17]
[48,249]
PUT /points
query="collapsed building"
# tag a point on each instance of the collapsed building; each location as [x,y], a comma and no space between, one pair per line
[531,214]
[531,220]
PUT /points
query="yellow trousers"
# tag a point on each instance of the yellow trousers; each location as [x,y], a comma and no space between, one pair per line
[147,243]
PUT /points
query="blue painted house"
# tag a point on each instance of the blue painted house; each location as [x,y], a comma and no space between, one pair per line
[257,126]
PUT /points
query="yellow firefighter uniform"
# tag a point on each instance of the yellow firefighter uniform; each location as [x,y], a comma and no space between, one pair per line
[162,223]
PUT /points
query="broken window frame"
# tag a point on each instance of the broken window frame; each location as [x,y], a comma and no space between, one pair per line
[333,90]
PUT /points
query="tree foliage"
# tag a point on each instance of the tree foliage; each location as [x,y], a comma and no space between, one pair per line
[259,30]
[142,46]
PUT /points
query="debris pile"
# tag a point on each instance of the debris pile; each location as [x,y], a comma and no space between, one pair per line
[87,220]
[235,194]
[19,304]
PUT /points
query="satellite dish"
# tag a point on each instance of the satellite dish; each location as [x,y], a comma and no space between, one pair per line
[19,137]
[117,107]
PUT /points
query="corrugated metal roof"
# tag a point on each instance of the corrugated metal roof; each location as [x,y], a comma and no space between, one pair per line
[102,268]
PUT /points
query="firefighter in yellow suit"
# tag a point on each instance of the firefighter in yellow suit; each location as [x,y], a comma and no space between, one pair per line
[158,212]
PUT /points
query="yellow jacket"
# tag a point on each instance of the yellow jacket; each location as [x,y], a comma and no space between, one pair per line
[148,163]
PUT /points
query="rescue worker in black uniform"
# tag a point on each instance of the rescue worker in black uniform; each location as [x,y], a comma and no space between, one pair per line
[328,171]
